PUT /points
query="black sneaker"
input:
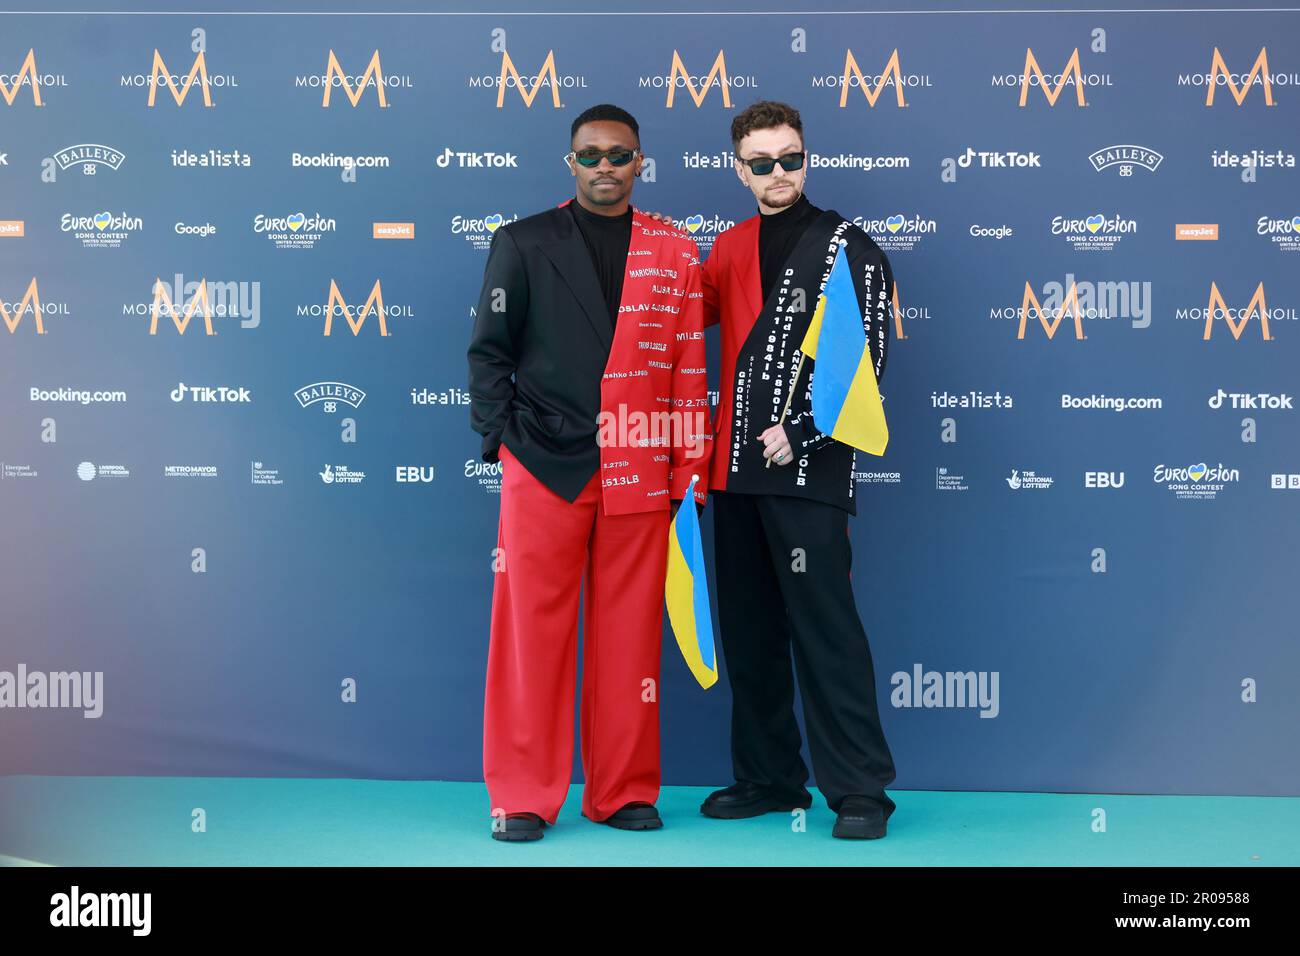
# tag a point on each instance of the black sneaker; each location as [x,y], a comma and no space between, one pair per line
[518,826]
[745,799]
[860,818]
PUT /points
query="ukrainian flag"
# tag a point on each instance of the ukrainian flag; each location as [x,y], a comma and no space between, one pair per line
[845,401]
[686,592]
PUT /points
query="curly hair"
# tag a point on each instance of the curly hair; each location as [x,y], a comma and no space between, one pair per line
[765,114]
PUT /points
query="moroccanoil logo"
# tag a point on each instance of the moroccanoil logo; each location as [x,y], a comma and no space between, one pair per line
[698,86]
[1219,68]
[162,300]
[546,76]
[891,75]
[1052,85]
[27,75]
[31,303]
[159,71]
[1236,319]
[354,86]
[1070,304]
[337,302]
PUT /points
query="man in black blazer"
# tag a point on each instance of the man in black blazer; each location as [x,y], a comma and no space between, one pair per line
[590,316]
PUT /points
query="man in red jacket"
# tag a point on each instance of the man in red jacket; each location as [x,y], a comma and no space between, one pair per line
[783,492]
[587,379]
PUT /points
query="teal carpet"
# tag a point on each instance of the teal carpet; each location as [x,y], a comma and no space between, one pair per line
[139,821]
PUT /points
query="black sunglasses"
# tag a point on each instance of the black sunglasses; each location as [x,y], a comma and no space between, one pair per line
[618,156]
[763,165]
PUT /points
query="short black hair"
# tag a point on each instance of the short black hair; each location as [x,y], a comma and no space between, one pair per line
[606,111]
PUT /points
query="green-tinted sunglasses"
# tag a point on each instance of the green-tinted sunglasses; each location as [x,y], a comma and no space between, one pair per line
[590,158]
[763,165]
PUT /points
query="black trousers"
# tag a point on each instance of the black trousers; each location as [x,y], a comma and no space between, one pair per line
[772,598]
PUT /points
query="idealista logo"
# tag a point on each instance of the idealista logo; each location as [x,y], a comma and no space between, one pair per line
[1095,233]
[356,317]
[897,233]
[548,77]
[1196,482]
[890,77]
[12,312]
[354,86]
[180,86]
[1052,86]
[478,232]
[329,395]
[1028,481]
[90,156]
[294,231]
[211,159]
[1124,157]
[1283,233]
[28,76]
[450,396]
[1239,85]
[698,86]
[341,475]
[103,230]
[1236,319]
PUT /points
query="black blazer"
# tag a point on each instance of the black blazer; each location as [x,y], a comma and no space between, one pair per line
[541,318]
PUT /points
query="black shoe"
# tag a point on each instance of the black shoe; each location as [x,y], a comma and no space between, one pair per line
[746,799]
[860,818]
[635,816]
[518,826]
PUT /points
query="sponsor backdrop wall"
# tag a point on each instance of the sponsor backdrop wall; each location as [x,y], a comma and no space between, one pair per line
[240,495]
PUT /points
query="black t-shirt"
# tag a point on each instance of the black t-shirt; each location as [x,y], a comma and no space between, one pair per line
[607,239]
[777,235]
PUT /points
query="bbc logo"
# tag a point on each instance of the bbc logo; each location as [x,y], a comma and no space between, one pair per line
[1288,482]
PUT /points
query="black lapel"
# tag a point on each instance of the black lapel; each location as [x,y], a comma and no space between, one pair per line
[568,253]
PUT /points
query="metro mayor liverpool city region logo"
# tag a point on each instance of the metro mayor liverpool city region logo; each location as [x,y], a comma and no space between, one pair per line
[1199,482]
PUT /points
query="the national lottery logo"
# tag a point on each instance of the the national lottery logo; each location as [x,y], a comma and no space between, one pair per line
[897,233]
[1028,481]
[487,475]
[294,231]
[1282,232]
[478,231]
[341,475]
[1125,159]
[1095,233]
[103,230]
[329,395]
[90,158]
[1199,482]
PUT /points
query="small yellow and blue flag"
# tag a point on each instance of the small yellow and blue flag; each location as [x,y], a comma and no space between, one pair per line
[686,592]
[845,399]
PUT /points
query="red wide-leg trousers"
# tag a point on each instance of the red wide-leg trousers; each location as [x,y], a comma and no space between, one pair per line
[549,549]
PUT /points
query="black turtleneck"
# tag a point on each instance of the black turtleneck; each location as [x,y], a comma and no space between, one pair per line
[777,235]
[607,239]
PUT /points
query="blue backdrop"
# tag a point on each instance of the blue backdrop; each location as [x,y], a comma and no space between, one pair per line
[1098,533]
